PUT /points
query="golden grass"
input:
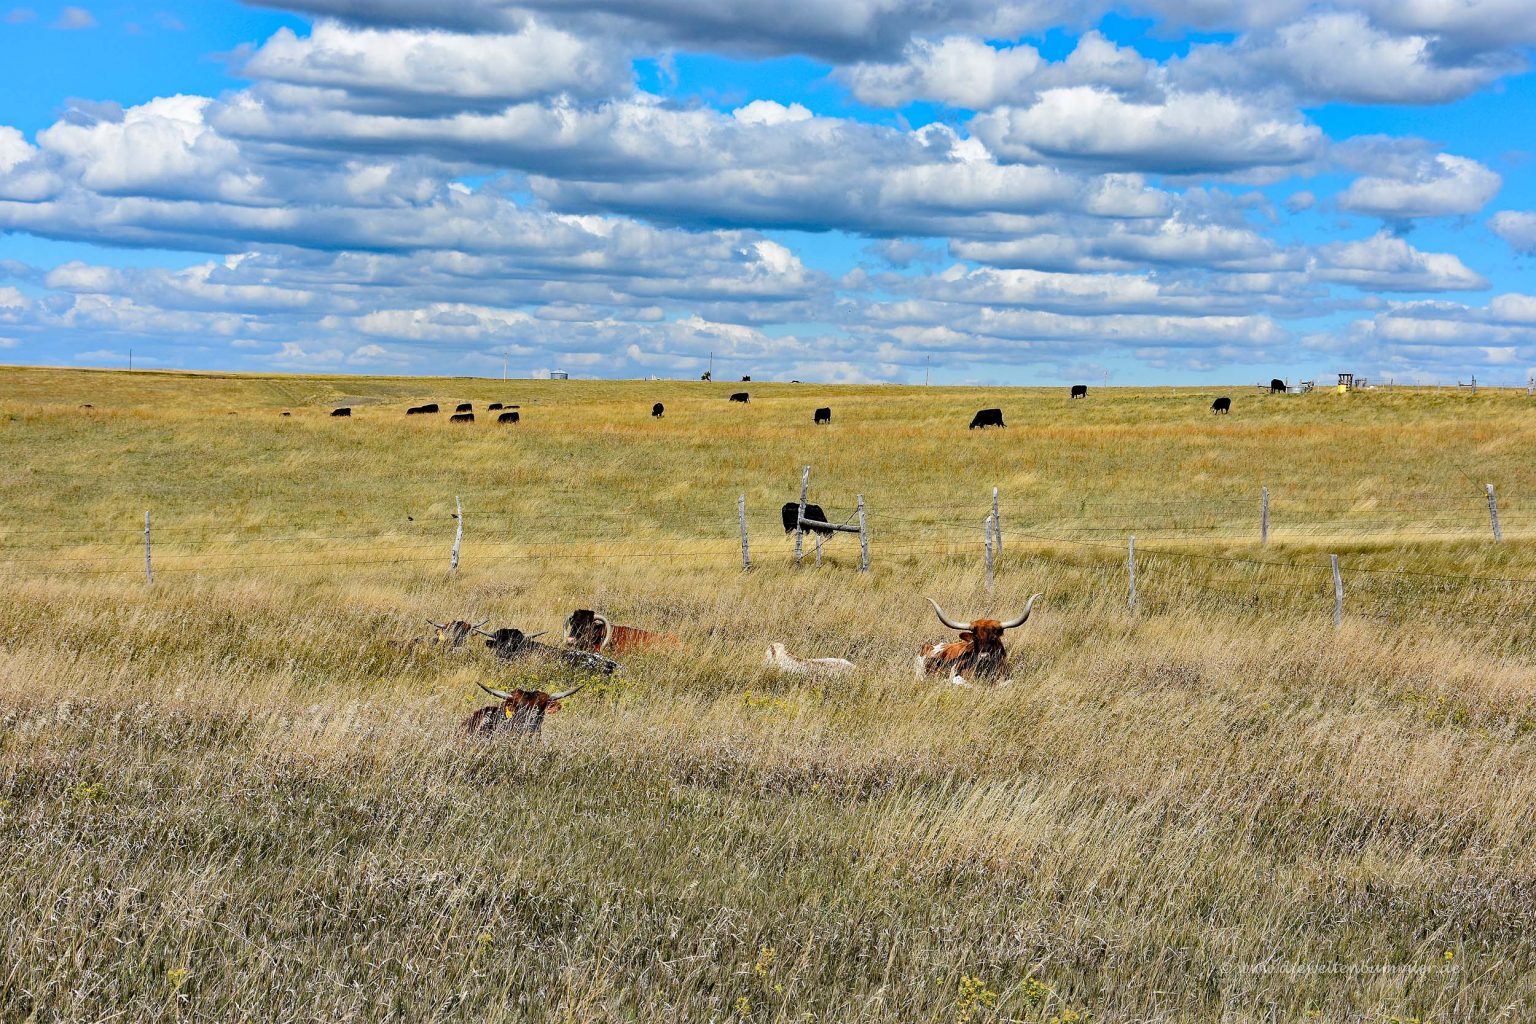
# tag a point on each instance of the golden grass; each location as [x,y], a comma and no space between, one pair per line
[229,797]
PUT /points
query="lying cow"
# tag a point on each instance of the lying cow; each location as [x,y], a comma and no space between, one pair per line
[509,644]
[520,712]
[451,634]
[780,658]
[421,410]
[979,651]
[586,630]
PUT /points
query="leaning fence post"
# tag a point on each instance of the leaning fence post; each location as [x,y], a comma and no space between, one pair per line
[1131,562]
[818,550]
[741,517]
[1338,593]
[986,540]
[863,539]
[1264,519]
[997,524]
[149,571]
[805,487]
[1493,514]
[458,534]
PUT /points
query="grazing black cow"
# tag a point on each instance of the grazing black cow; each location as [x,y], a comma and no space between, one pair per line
[706,375]
[658,410]
[509,417]
[514,643]
[1277,386]
[465,407]
[421,410]
[87,405]
[988,418]
[790,514]
[462,417]
[1222,405]
[740,396]
[1079,390]
[344,411]
[493,407]
[822,415]
[287,414]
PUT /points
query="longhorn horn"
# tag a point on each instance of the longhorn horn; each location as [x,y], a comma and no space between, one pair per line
[945,618]
[438,625]
[568,693]
[602,620]
[480,623]
[535,636]
[1012,623]
[481,632]
[498,694]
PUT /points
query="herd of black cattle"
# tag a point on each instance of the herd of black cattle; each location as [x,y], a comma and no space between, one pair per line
[465,412]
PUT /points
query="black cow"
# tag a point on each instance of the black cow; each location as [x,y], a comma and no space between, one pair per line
[465,407]
[1277,386]
[341,412]
[706,375]
[823,415]
[509,417]
[1079,390]
[740,396]
[988,418]
[287,414]
[87,405]
[1222,405]
[746,380]
[493,407]
[462,417]
[421,410]
[514,643]
[790,514]
[658,410]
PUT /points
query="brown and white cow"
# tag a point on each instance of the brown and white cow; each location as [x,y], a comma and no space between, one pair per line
[978,653]
[520,712]
[586,630]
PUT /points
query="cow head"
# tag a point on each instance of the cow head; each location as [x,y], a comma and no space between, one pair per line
[587,630]
[453,634]
[507,641]
[980,648]
[520,711]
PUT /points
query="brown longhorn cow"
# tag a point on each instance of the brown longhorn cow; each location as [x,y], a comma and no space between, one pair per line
[520,712]
[586,630]
[979,651]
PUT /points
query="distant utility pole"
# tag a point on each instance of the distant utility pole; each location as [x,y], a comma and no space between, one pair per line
[503,367]
[130,359]
[926,369]
[711,366]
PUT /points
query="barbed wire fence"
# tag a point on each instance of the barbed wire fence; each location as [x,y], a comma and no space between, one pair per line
[1103,539]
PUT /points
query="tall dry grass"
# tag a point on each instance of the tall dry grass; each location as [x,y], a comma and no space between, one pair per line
[229,796]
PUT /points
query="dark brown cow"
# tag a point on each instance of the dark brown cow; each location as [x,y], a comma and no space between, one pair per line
[586,630]
[979,651]
[521,712]
[451,634]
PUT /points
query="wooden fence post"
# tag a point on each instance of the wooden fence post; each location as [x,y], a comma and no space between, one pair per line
[741,517]
[1131,562]
[149,571]
[458,534]
[805,487]
[1338,593]
[1493,514]
[997,525]
[818,550]
[986,540]
[1264,520]
[863,539]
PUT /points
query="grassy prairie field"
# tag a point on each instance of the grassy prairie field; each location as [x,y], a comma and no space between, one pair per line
[231,795]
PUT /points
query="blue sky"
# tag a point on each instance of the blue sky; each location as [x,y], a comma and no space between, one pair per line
[1026,192]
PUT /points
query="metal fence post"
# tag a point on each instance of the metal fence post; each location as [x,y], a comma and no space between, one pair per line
[1338,593]
[149,570]
[458,534]
[1493,514]
[805,486]
[741,517]
[863,539]
[1264,520]
[1131,562]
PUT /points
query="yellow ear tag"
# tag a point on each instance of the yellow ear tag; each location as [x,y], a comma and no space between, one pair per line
[507,710]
